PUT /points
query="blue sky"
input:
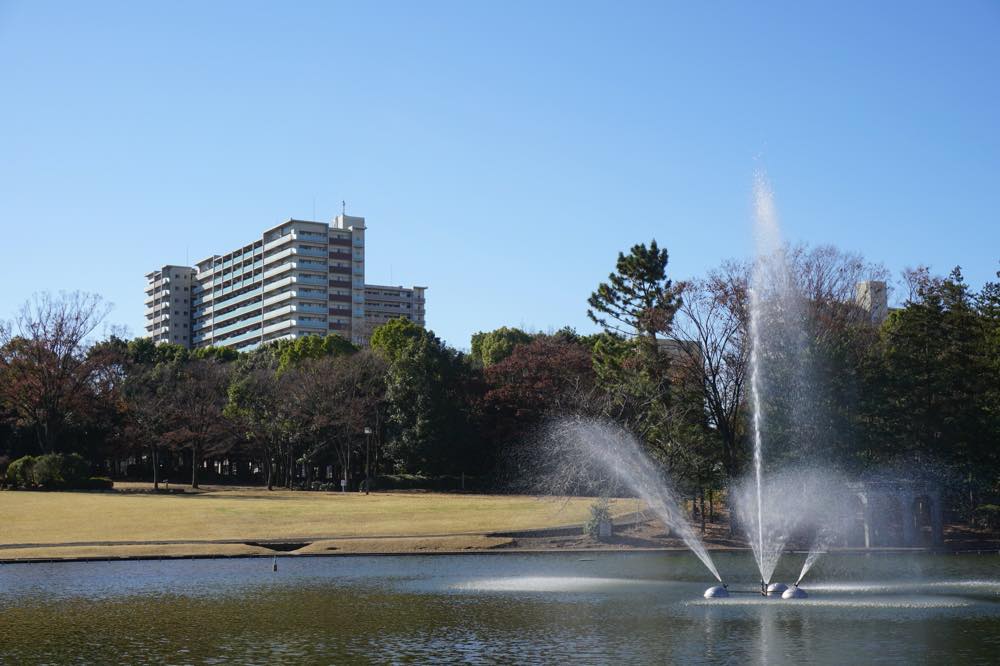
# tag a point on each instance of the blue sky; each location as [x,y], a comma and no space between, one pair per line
[504,152]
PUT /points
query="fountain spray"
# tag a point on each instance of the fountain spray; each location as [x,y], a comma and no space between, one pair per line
[583,446]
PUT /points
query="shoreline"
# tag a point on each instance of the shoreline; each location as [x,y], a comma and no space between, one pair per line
[450,553]
[502,549]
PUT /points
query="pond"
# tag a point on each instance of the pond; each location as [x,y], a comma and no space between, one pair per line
[565,607]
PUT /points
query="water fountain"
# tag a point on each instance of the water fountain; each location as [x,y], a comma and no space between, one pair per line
[773,506]
[586,449]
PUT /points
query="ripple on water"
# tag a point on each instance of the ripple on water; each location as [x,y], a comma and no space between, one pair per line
[911,587]
[553,584]
[886,603]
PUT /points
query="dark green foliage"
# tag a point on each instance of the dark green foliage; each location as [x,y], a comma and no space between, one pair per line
[97,483]
[19,472]
[638,299]
[934,385]
[52,471]
[427,388]
[987,516]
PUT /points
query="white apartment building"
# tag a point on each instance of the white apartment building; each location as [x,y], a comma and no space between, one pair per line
[873,297]
[168,304]
[299,278]
[383,302]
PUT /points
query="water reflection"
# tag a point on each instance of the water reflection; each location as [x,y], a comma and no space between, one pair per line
[630,608]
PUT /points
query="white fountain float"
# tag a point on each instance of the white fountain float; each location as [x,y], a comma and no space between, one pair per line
[717,592]
[794,592]
[773,590]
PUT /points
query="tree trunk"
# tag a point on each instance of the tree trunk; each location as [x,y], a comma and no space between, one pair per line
[156,469]
[702,511]
[711,506]
[195,455]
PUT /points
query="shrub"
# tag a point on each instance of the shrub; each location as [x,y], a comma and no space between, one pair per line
[97,483]
[987,516]
[600,512]
[19,472]
[57,471]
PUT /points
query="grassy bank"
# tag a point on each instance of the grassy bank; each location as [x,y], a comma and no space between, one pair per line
[70,524]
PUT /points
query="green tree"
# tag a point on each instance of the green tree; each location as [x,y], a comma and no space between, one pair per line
[428,391]
[934,402]
[295,352]
[491,347]
[638,300]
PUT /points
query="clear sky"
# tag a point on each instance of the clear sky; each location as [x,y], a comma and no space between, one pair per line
[502,152]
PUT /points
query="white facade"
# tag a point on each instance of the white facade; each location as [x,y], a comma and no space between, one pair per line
[384,303]
[873,297]
[168,304]
[299,278]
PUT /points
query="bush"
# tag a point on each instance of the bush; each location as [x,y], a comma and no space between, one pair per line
[600,512]
[51,471]
[987,516]
[19,472]
[97,483]
[54,470]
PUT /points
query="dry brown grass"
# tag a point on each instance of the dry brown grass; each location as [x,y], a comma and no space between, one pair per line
[145,550]
[250,514]
[407,544]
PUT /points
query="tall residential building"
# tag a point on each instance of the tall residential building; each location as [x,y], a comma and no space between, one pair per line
[383,303]
[168,304]
[873,297]
[299,278]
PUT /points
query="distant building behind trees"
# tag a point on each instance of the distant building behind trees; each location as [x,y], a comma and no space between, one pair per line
[300,278]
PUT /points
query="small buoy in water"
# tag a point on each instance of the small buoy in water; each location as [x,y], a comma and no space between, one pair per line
[717,592]
[776,589]
[795,592]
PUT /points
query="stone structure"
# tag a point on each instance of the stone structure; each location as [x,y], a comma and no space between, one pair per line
[898,513]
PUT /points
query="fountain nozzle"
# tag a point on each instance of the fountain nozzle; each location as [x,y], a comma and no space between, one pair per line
[763,588]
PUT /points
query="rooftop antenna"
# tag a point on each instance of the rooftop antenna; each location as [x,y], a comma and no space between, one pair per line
[343,208]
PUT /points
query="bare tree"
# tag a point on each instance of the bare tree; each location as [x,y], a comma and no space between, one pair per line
[337,398]
[711,351]
[49,377]
[198,397]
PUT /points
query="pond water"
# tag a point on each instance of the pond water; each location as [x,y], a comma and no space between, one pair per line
[570,608]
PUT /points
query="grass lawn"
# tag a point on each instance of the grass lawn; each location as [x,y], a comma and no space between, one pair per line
[251,514]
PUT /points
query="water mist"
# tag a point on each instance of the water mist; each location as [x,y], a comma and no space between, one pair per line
[588,453]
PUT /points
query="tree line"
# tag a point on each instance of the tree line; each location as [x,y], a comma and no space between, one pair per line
[919,390]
